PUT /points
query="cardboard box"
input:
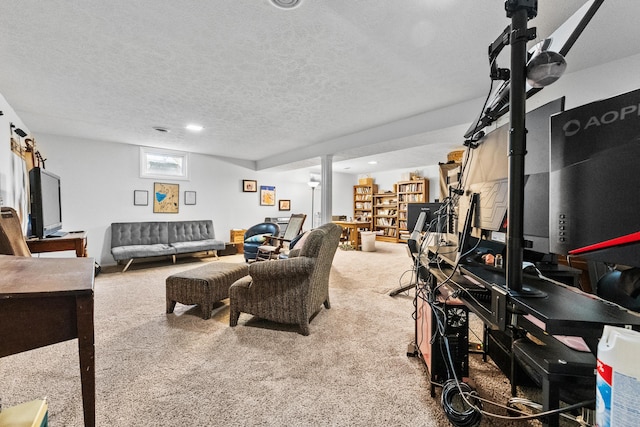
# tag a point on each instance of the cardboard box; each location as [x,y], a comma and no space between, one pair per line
[365,181]
[455,156]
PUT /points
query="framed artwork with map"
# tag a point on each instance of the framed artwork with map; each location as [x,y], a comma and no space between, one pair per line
[165,197]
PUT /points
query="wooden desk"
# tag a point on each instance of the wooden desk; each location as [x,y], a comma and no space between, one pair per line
[44,301]
[71,242]
[354,227]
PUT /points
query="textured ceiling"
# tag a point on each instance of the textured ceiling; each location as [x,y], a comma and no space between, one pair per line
[273,88]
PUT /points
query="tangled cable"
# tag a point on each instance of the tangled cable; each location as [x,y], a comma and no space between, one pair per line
[462,410]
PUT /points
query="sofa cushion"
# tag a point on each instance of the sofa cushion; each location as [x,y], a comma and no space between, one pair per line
[138,233]
[298,241]
[198,246]
[258,238]
[189,231]
[140,251]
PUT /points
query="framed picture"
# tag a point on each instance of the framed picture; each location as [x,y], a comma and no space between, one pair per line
[284,205]
[159,163]
[165,197]
[140,198]
[189,197]
[249,186]
[267,195]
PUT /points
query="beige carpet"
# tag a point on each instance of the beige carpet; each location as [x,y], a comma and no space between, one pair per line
[179,370]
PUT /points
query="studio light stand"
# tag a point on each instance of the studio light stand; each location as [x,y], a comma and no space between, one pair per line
[520,11]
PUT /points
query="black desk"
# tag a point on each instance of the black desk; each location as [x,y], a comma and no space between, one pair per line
[564,310]
[567,311]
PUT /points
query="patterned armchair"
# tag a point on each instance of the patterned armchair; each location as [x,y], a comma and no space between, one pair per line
[289,290]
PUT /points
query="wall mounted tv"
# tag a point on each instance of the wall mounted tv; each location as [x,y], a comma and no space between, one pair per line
[46,210]
[594,180]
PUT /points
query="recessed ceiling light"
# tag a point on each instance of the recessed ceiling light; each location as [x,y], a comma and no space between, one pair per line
[194,128]
[373,162]
[286,4]
[161,129]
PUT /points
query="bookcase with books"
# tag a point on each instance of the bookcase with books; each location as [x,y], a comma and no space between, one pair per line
[414,191]
[363,201]
[385,216]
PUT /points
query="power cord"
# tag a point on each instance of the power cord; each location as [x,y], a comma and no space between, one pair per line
[454,403]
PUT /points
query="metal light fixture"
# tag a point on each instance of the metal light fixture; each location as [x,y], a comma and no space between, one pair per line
[545,66]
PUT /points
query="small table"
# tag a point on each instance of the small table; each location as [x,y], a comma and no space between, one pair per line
[354,227]
[44,301]
[237,238]
[76,241]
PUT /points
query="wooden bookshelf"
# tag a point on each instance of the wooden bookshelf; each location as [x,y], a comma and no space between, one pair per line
[385,216]
[414,191]
[363,202]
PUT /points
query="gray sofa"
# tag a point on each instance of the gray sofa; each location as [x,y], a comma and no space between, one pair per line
[131,240]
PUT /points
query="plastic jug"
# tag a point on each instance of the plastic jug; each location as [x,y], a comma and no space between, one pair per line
[618,378]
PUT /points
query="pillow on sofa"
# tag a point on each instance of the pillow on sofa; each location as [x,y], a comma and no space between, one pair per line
[258,238]
[298,242]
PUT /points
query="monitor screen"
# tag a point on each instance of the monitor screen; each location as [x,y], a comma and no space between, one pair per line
[46,209]
[488,178]
[594,204]
[432,214]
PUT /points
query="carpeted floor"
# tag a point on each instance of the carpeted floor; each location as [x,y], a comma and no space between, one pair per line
[180,370]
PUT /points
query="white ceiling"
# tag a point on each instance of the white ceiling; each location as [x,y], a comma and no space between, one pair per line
[398,81]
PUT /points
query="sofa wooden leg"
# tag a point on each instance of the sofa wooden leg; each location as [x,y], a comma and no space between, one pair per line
[327,304]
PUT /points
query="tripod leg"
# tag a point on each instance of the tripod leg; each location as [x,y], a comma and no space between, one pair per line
[402,289]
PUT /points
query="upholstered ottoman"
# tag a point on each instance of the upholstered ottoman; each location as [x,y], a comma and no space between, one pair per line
[203,285]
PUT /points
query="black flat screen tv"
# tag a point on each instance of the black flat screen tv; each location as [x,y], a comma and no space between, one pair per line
[488,178]
[594,181]
[46,209]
